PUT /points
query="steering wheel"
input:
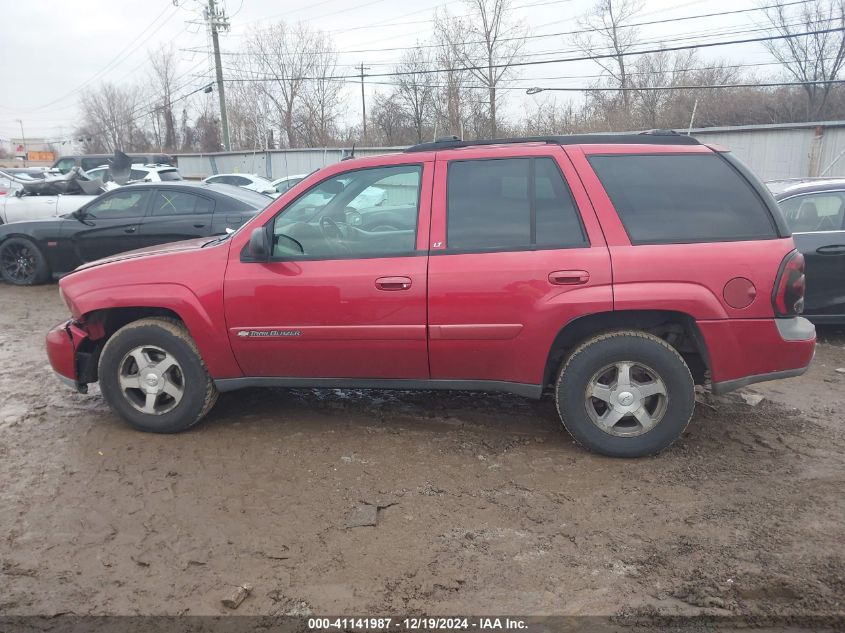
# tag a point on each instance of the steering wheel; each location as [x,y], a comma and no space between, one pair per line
[332,233]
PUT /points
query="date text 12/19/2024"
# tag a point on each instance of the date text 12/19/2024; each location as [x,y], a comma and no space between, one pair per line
[417,623]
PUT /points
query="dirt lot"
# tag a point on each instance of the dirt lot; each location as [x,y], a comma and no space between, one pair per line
[485,504]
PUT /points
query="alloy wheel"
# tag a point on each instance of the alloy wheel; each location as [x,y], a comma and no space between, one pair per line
[18,261]
[151,380]
[626,399]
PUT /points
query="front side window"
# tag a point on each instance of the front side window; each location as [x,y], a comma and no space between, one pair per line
[238,181]
[137,174]
[510,204]
[682,198]
[363,213]
[179,203]
[120,204]
[822,211]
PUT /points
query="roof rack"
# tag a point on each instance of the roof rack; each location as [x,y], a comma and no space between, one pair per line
[652,137]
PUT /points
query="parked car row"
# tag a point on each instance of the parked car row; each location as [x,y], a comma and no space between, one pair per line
[131,217]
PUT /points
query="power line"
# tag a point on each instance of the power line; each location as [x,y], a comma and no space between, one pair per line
[534,80]
[659,41]
[117,59]
[560,33]
[428,71]
[771,84]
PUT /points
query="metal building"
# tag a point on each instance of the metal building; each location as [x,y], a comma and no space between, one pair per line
[774,152]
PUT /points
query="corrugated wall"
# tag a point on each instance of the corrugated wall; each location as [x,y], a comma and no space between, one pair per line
[773,152]
[776,152]
[273,164]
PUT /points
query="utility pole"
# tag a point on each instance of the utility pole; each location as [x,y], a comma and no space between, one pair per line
[216,20]
[23,142]
[363,105]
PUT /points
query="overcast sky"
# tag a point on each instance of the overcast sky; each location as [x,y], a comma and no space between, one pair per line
[50,51]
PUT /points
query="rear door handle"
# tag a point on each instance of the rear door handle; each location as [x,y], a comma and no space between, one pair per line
[131,229]
[393,283]
[198,226]
[569,277]
[833,249]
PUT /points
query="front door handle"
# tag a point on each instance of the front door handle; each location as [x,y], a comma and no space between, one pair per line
[393,283]
[833,249]
[131,229]
[569,277]
[199,226]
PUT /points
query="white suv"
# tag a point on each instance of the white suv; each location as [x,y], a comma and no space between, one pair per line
[140,173]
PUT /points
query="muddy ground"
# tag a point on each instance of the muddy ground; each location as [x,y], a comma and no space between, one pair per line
[485,505]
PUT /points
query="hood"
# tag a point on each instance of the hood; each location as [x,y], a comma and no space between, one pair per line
[150,251]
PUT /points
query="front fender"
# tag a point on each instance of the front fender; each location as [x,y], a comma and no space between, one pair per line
[199,316]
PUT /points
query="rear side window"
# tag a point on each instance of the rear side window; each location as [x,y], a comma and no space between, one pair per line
[91,163]
[511,203]
[180,203]
[666,199]
[169,175]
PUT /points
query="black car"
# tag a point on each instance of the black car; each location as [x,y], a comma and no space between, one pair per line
[134,216]
[815,211]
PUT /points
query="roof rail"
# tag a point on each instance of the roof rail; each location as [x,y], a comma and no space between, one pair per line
[652,137]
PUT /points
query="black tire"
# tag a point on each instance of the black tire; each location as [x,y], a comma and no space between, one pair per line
[168,336]
[640,352]
[22,263]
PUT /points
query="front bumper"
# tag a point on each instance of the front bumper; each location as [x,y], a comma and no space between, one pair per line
[747,351]
[62,343]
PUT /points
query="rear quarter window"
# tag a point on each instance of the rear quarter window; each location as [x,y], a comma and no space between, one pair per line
[670,199]
[169,175]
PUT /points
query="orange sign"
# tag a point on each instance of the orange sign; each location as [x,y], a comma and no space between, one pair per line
[43,156]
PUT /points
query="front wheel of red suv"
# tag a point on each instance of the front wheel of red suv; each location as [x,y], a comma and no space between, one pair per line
[625,394]
[151,374]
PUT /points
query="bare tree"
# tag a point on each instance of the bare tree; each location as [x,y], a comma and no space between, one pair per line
[322,93]
[453,93]
[490,46]
[163,65]
[817,57]
[608,30]
[109,115]
[546,117]
[285,55]
[390,120]
[252,113]
[416,86]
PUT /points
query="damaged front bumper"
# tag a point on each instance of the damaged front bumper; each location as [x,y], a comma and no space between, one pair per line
[63,342]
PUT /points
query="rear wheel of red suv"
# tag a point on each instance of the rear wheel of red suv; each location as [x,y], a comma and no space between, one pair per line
[152,375]
[625,394]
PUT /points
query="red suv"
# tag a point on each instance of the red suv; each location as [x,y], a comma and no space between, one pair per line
[615,272]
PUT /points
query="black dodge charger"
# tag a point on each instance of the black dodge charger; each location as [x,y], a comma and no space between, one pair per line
[134,216]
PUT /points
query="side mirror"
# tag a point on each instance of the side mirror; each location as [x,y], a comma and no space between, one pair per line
[259,247]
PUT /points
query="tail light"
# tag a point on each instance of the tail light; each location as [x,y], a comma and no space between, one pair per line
[788,295]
